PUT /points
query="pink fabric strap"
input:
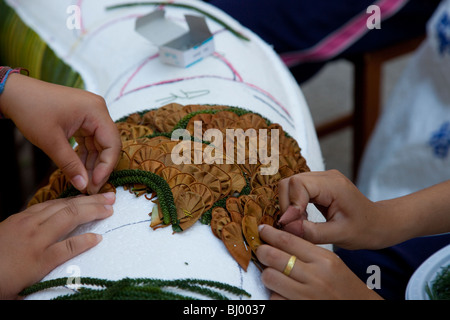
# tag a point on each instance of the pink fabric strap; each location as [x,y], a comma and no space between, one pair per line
[342,38]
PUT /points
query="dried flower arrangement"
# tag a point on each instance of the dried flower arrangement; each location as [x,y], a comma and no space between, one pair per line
[234,198]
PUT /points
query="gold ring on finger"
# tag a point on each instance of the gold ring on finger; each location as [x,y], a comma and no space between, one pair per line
[287,270]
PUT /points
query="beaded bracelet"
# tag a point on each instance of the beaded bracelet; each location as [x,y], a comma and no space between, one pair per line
[4,73]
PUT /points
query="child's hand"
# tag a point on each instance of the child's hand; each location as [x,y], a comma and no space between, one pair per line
[353,221]
[48,115]
[30,241]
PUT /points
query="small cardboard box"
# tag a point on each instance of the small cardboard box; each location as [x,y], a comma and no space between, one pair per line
[177,46]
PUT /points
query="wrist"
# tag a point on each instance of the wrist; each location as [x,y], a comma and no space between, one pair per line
[5,73]
[404,218]
[390,227]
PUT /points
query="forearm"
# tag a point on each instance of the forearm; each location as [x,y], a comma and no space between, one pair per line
[425,212]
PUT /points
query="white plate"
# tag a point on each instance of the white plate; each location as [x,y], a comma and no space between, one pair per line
[426,273]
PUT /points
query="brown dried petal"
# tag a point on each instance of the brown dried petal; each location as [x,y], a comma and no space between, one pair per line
[271,210]
[251,208]
[188,168]
[129,131]
[169,172]
[227,115]
[155,141]
[250,231]
[59,183]
[205,119]
[151,165]
[179,189]
[148,119]
[258,179]
[134,118]
[288,160]
[224,178]
[211,181]
[302,166]
[145,153]
[285,172]
[237,178]
[190,207]
[161,115]
[234,242]
[236,216]
[267,220]
[124,161]
[171,119]
[205,192]
[234,204]
[222,123]
[219,219]
[168,108]
[264,191]
[181,178]
[167,146]
[252,120]
[166,158]
[138,131]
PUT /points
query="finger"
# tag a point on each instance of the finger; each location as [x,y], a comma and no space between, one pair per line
[92,153]
[284,286]
[276,296]
[289,243]
[108,146]
[291,215]
[39,206]
[317,233]
[62,251]
[46,209]
[72,215]
[296,228]
[322,232]
[295,199]
[278,260]
[291,193]
[65,157]
[91,161]
[283,194]
[81,149]
[105,165]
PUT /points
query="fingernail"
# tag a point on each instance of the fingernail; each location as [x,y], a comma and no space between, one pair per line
[260,227]
[99,237]
[109,208]
[109,195]
[79,182]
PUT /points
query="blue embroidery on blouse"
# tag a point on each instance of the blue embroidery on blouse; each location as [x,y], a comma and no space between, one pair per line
[443,34]
[440,141]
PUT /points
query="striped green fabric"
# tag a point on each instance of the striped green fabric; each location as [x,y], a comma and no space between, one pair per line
[20,46]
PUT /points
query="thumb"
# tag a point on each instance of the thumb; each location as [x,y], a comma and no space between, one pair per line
[314,232]
[65,157]
[320,232]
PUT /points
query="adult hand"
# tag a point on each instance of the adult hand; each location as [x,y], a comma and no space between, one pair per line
[353,221]
[30,241]
[317,273]
[48,115]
